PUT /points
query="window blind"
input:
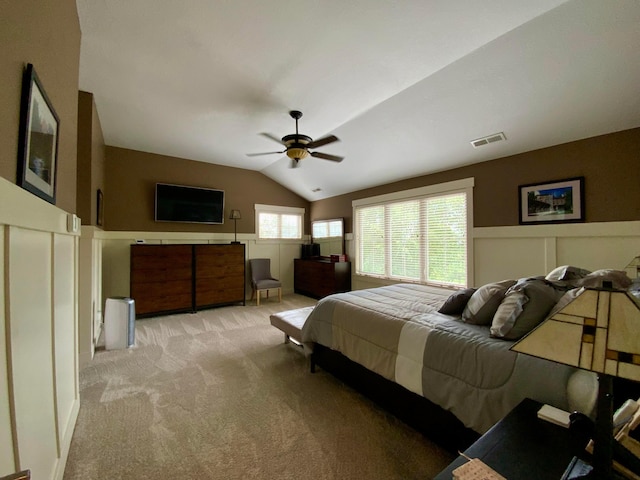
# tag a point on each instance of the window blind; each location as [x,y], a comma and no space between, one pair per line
[279,222]
[327,229]
[422,239]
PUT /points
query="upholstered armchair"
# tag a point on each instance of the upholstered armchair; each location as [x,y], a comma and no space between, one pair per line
[261,278]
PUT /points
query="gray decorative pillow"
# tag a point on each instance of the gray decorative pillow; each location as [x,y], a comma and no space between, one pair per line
[619,279]
[525,305]
[484,302]
[567,273]
[454,305]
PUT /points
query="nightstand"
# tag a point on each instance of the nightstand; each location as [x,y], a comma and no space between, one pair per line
[521,446]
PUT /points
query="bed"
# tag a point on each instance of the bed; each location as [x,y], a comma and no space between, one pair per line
[397,332]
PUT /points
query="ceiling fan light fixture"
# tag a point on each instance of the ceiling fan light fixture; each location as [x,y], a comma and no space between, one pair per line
[297,145]
[297,153]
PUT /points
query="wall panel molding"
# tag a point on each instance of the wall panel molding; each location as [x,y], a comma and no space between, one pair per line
[39,367]
[519,251]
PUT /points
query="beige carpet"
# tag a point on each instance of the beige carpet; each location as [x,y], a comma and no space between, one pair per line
[218,395]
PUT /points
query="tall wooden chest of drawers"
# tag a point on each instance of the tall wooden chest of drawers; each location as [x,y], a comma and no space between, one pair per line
[172,278]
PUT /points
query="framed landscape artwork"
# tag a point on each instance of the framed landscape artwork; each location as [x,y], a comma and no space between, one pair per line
[560,201]
[38,142]
[99,208]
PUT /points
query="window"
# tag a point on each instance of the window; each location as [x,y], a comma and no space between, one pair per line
[279,223]
[418,235]
[326,229]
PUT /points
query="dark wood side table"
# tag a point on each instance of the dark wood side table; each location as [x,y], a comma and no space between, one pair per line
[521,446]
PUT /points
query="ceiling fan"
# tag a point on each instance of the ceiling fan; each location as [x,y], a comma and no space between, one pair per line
[298,145]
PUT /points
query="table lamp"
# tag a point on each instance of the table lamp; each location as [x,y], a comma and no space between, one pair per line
[598,331]
[235,216]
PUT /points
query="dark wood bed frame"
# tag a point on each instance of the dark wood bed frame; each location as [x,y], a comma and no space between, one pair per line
[431,420]
[428,418]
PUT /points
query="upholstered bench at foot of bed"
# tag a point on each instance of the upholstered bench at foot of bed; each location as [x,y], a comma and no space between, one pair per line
[291,323]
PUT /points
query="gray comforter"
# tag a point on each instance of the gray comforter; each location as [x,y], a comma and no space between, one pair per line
[397,332]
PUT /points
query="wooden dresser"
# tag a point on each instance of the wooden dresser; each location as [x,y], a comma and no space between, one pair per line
[219,274]
[318,277]
[173,278]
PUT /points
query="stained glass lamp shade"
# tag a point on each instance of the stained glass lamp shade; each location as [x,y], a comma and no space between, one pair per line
[598,331]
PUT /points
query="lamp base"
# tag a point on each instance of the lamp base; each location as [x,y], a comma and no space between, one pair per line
[235,243]
[577,469]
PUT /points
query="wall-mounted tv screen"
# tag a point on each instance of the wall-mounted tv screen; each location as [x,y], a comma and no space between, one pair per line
[179,203]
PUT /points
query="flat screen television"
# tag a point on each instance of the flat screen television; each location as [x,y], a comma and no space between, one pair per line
[180,203]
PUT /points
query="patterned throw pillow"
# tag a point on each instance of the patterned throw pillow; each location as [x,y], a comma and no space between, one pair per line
[525,305]
[484,302]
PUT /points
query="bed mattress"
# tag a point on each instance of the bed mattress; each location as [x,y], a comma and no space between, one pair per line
[397,332]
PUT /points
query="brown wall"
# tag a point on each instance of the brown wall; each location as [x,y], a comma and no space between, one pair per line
[131,176]
[46,34]
[609,163]
[91,152]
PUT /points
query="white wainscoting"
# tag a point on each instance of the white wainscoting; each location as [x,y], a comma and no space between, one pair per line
[39,397]
[89,293]
[520,251]
[116,260]
[7,460]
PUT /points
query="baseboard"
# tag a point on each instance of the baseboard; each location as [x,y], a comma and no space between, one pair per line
[84,359]
[66,441]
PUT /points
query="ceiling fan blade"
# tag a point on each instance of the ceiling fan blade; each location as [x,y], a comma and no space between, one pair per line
[264,153]
[326,156]
[272,137]
[323,141]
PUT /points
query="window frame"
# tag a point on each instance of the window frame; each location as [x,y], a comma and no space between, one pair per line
[278,210]
[457,186]
[328,223]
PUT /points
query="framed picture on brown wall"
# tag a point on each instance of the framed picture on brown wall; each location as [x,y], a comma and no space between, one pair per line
[99,208]
[38,140]
[559,201]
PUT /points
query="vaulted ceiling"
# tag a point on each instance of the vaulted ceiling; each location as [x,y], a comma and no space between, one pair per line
[405,85]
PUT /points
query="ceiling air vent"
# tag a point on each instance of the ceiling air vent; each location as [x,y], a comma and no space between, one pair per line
[496,137]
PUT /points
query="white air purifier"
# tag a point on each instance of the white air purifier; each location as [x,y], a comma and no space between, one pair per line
[119,323]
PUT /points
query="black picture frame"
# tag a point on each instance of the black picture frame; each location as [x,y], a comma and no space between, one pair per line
[38,139]
[558,201]
[99,208]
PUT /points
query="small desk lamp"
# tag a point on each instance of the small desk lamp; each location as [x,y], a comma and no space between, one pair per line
[598,331]
[235,216]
